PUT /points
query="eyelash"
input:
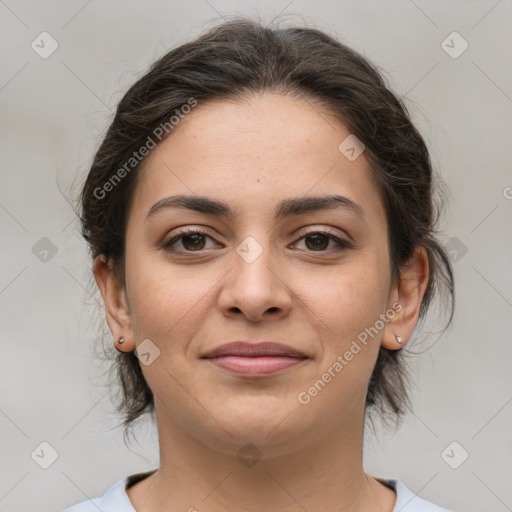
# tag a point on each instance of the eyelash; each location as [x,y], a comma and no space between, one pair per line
[342,244]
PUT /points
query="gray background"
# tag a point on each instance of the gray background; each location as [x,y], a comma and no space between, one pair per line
[53,112]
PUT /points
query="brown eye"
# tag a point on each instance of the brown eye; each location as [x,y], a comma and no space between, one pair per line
[318,241]
[191,241]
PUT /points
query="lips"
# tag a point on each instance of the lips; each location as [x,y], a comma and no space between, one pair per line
[263,349]
[255,359]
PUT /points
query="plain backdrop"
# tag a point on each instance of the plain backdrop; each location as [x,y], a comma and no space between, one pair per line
[455,446]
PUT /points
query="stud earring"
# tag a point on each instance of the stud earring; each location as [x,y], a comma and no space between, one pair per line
[399,339]
[120,341]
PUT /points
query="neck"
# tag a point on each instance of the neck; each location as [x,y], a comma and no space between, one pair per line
[326,474]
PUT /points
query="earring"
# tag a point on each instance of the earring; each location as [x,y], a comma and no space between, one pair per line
[120,341]
[399,339]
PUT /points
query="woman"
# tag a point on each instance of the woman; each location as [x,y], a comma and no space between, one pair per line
[261,219]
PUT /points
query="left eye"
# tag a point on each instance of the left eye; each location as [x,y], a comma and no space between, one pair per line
[194,241]
[322,238]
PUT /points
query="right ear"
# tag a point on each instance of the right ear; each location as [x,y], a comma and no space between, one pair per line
[116,303]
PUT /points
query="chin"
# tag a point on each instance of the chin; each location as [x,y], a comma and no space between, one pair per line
[253,440]
[263,422]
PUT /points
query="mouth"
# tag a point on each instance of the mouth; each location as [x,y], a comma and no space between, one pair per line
[255,359]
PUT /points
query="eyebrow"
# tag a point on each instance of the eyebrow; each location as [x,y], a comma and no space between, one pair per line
[286,208]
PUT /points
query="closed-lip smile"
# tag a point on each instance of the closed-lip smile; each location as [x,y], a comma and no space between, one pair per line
[244,349]
[255,359]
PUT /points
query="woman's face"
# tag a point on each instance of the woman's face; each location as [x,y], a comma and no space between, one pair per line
[258,276]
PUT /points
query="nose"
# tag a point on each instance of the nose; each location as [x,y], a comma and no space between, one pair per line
[255,289]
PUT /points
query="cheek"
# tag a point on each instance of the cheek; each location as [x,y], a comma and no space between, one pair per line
[165,299]
[349,305]
[157,295]
[350,299]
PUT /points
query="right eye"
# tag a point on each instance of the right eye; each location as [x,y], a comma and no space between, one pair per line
[192,240]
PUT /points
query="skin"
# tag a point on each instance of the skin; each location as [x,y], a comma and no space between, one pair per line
[252,154]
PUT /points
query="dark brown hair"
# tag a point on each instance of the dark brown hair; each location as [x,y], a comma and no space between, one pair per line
[242,57]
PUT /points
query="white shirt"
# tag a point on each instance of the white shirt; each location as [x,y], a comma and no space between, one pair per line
[116,499]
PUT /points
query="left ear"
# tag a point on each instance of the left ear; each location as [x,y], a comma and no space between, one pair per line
[409,294]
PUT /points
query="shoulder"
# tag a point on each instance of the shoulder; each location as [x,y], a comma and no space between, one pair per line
[115,499]
[407,501]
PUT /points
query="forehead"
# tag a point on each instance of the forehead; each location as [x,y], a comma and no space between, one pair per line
[255,152]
